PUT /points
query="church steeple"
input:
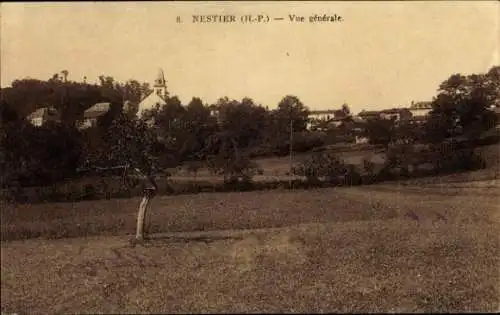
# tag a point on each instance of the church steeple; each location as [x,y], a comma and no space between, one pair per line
[160,84]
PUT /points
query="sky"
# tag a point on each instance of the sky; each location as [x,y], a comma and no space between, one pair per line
[381,55]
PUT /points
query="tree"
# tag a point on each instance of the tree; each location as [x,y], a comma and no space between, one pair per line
[65,74]
[198,125]
[291,109]
[7,113]
[461,107]
[40,155]
[345,109]
[240,126]
[129,142]
[380,131]
[290,113]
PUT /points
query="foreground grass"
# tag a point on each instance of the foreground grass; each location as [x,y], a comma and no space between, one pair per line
[335,250]
[201,212]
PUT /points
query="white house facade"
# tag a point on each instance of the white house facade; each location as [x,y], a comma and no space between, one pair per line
[420,109]
[43,115]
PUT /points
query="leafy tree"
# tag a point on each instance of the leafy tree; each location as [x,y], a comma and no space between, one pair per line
[127,141]
[240,127]
[291,109]
[7,113]
[380,131]
[133,91]
[290,113]
[198,125]
[345,109]
[40,155]
[65,74]
[461,106]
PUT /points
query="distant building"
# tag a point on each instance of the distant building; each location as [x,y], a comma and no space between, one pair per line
[397,114]
[43,115]
[321,114]
[324,118]
[419,119]
[156,98]
[359,139]
[420,109]
[369,114]
[91,115]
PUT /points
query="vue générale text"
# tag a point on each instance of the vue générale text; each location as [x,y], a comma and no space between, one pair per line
[264,18]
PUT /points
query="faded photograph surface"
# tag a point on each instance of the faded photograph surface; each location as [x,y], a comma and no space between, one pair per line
[245,157]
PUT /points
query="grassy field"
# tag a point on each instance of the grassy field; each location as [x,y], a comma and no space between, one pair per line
[381,248]
[280,166]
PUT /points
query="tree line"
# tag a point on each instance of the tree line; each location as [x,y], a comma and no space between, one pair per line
[223,136]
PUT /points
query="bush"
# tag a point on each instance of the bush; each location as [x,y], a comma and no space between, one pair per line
[322,165]
[368,166]
[306,141]
[233,168]
[459,160]
[353,176]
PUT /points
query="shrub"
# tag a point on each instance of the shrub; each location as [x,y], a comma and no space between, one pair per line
[89,192]
[368,166]
[306,141]
[233,168]
[193,167]
[353,176]
[322,165]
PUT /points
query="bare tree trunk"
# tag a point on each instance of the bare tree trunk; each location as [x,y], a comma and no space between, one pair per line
[149,188]
[141,215]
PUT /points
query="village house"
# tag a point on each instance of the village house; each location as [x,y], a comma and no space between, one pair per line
[360,139]
[321,114]
[92,114]
[396,114]
[320,119]
[420,109]
[369,114]
[43,115]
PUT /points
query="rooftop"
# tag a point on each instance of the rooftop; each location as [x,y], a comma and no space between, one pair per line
[43,112]
[97,110]
[368,113]
[322,112]
[393,110]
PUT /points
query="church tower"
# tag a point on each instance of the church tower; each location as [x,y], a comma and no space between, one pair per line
[160,85]
[157,98]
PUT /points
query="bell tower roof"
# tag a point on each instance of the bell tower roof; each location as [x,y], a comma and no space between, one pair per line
[160,79]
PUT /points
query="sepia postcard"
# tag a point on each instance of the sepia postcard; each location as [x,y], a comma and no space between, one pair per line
[250,157]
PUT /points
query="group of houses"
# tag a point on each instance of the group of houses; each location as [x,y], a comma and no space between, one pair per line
[90,116]
[416,112]
[327,119]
